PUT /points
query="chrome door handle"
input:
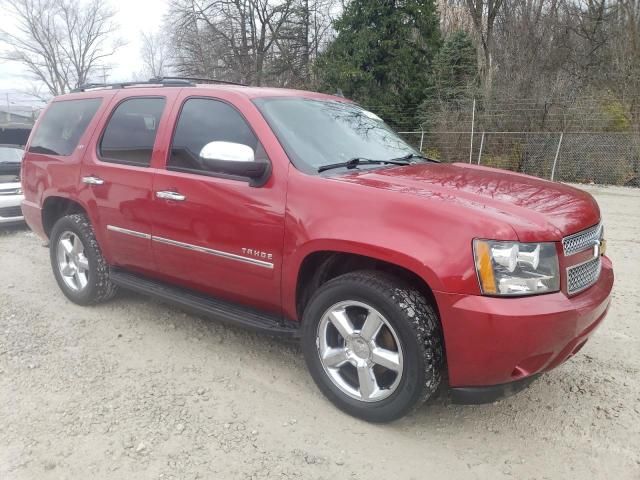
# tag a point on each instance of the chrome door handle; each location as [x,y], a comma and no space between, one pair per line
[167,195]
[91,180]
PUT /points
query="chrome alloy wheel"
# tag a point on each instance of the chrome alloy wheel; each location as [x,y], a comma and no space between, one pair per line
[360,351]
[72,262]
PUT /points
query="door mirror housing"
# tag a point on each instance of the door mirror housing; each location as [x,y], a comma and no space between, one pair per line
[234,159]
[227,152]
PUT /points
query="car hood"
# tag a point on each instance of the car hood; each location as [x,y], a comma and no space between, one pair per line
[535,208]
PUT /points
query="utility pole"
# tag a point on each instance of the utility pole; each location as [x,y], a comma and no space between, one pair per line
[8,108]
[102,73]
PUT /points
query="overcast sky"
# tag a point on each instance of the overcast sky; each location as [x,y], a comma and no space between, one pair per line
[133,16]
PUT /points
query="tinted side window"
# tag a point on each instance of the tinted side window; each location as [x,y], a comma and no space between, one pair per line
[131,132]
[62,126]
[202,121]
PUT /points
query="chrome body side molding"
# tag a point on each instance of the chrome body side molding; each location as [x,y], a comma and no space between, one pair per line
[195,248]
[211,251]
[126,231]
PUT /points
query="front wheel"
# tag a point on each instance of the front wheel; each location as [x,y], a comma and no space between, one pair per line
[78,265]
[373,345]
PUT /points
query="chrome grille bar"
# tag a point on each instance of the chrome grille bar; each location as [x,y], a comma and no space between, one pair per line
[581,241]
[583,275]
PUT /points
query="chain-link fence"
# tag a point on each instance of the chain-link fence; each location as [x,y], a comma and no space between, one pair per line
[583,157]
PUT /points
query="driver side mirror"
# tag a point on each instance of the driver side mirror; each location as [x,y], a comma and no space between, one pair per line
[234,159]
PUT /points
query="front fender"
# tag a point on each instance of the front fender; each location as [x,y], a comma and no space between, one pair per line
[293,264]
[294,261]
[431,239]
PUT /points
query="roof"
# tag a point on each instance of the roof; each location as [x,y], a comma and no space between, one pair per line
[201,88]
[261,92]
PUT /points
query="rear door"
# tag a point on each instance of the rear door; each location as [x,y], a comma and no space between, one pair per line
[117,175]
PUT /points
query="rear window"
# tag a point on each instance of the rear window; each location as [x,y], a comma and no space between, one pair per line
[62,126]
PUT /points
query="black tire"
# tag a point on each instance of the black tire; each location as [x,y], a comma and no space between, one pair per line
[99,287]
[417,327]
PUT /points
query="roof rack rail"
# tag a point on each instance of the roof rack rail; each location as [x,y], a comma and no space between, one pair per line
[160,81]
[164,82]
[88,86]
[200,80]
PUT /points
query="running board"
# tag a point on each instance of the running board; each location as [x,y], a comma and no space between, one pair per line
[204,305]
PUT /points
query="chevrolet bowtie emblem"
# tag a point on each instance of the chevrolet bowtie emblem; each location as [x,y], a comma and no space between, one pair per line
[602,246]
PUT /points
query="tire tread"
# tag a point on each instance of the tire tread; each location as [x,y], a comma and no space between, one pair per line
[104,289]
[421,317]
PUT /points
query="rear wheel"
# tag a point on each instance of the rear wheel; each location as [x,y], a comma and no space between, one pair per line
[373,345]
[78,265]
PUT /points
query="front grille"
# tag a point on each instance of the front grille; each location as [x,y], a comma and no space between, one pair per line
[582,240]
[9,212]
[583,275]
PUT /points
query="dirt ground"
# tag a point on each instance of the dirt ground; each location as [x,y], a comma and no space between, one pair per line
[135,389]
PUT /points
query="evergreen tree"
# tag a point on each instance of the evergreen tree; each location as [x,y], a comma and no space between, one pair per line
[382,56]
[455,69]
[455,83]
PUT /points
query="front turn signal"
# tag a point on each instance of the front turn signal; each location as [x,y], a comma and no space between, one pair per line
[484,267]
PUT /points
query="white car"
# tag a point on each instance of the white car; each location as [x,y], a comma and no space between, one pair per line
[10,187]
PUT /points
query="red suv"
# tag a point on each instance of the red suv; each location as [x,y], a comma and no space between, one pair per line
[304,215]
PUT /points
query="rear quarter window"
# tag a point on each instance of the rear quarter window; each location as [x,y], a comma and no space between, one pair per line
[63,124]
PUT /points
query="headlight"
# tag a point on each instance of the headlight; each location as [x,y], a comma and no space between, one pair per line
[513,268]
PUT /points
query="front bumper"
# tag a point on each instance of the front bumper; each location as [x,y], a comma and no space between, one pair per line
[10,211]
[493,341]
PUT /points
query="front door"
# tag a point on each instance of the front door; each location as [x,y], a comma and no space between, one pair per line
[212,232]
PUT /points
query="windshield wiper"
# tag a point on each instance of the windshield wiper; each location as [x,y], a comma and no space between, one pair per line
[415,155]
[354,162]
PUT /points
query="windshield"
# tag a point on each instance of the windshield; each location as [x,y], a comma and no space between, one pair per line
[10,154]
[322,132]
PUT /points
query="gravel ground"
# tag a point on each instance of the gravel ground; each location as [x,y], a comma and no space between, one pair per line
[137,389]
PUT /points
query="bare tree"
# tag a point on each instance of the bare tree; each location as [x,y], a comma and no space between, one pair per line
[250,41]
[60,42]
[483,14]
[154,53]
[226,38]
[301,39]
[454,16]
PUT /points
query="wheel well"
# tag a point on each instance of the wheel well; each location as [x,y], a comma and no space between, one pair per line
[55,208]
[320,267]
